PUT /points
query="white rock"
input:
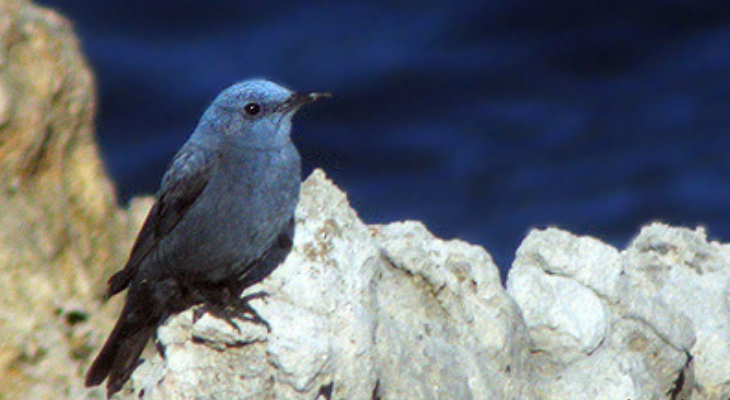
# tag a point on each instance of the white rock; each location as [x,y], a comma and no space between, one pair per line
[585,260]
[446,329]
[387,312]
[391,312]
[653,325]
[552,283]
[687,282]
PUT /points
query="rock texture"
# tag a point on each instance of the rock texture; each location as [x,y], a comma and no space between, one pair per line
[390,312]
[356,312]
[647,323]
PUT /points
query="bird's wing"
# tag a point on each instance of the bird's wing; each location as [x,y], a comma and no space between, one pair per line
[189,174]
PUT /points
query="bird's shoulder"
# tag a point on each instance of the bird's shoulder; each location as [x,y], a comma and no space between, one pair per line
[191,162]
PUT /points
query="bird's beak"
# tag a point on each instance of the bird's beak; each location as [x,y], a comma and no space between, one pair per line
[297,100]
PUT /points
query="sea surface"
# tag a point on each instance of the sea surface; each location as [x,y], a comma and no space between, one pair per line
[483,119]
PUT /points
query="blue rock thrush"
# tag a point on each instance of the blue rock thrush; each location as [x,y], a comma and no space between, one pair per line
[223,220]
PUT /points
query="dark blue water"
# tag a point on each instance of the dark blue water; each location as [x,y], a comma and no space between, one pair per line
[483,119]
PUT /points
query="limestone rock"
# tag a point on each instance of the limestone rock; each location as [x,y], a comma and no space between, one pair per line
[356,312]
[391,312]
[648,323]
[447,328]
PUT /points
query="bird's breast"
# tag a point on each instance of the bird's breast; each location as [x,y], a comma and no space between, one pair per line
[249,201]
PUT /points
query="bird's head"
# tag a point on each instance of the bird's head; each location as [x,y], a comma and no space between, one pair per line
[258,111]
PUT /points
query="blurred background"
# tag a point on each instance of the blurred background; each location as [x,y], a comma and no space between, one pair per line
[482,119]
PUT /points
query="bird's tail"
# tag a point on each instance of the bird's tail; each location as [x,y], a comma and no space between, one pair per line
[120,354]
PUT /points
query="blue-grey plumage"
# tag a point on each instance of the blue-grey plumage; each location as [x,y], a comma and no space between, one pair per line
[223,219]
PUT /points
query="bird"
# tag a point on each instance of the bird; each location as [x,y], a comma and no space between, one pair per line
[222,221]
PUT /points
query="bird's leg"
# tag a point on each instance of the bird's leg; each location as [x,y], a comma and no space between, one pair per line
[248,313]
[219,311]
[233,307]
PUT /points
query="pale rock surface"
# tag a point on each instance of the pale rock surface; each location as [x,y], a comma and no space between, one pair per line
[648,323]
[391,312]
[448,330]
[356,312]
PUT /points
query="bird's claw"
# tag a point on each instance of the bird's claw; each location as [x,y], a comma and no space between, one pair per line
[240,309]
[248,313]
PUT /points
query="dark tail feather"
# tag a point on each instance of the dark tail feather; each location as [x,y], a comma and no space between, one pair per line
[120,355]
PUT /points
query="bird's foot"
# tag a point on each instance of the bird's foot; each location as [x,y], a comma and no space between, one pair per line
[248,313]
[239,308]
[221,312]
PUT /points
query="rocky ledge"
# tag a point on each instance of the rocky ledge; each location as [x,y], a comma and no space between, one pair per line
[392,312]
[356,312]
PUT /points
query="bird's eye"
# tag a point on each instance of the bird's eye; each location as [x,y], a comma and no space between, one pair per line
[252,109]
